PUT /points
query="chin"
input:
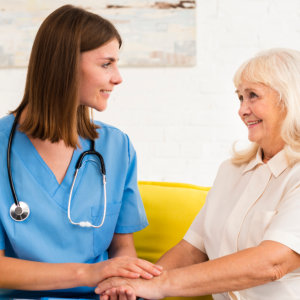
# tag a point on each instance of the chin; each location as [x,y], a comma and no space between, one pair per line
[99,108]
[253,139]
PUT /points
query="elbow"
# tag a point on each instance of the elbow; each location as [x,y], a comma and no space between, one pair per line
[276,260]
[266,273]
[276,272]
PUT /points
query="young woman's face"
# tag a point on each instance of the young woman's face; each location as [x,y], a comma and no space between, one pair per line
[261,113]
[99,74]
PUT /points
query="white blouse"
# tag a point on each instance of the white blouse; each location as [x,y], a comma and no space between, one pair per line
[247,205]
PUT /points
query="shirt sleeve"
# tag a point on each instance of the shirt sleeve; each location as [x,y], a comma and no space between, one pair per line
[285,226]
[132,213]
[2,242]
[195,235]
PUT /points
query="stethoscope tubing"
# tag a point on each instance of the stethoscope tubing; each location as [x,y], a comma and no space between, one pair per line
[92,151]
[19,211]
[10,140]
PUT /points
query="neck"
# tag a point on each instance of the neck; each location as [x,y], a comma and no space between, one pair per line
[267,155]
[271,147]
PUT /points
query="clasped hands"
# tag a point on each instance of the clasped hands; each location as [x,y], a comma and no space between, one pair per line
[127,277]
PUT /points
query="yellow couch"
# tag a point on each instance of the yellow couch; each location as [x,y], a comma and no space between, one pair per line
[170,208]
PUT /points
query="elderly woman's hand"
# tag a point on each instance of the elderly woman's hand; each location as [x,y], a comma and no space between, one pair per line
[120,293]
[128,289]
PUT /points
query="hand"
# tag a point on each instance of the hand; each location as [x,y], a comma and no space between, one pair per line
[121,293]
[123,266]
[131,267]
[113,287]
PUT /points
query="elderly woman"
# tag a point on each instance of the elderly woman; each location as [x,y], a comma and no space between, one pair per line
[245,242]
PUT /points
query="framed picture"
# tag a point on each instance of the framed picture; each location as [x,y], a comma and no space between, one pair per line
[155,33]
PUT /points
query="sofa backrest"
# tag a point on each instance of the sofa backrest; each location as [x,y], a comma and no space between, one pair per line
[170,209]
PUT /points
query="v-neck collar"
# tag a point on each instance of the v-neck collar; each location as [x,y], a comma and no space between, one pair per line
[23,147]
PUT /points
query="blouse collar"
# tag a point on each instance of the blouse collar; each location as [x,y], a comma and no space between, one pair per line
[277,164]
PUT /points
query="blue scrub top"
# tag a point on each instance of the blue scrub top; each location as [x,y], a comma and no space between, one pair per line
[47,235]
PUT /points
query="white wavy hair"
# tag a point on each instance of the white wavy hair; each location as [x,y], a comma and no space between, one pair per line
[280,70]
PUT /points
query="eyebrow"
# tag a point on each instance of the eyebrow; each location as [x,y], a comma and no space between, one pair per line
[246,90]
[111,59]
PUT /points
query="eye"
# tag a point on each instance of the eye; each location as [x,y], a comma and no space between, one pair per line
[252,95]
[106,65]
[240,98]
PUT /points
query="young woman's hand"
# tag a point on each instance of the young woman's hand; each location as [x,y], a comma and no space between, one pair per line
[123,266]
[131,267]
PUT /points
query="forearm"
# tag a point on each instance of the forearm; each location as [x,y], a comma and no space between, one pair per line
[209,277]
[244,269]
[216,276]
[29,275]
[181,255]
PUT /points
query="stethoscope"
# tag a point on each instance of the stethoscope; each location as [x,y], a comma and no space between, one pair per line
[19,211]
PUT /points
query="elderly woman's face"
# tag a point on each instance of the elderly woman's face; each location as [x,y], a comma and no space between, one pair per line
[261,113]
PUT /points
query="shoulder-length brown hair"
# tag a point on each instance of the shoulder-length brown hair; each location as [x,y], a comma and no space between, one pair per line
[51,94]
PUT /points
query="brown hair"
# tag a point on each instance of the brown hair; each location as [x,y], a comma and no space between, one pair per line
[51,92]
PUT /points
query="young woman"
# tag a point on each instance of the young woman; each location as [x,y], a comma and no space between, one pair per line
[66,220]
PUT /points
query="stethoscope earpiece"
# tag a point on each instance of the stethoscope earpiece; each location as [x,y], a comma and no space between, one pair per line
[19,212]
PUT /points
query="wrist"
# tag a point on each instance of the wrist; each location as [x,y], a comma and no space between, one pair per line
[155,288]
[92,274]
[83,274]
[164,284]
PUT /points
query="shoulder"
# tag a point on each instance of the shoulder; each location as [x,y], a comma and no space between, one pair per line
[5,124]
[113,136]
[228,174]
[292,176]
[107,131]
[5,127]
[227,166]
[107,128]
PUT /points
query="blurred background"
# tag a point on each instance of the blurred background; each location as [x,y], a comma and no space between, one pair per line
[183,120]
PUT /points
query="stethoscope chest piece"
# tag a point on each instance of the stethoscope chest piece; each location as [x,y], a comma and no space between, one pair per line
[19,212]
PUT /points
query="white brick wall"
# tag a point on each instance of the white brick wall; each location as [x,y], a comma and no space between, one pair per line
[183,121]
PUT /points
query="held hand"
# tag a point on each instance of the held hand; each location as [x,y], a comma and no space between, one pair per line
[129,289]
[121,293]
[123,266]
[110,288]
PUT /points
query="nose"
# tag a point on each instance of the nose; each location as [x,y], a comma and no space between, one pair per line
[116,77]
[244,109]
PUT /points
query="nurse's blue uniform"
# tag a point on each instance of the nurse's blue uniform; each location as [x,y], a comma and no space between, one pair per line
[47,235]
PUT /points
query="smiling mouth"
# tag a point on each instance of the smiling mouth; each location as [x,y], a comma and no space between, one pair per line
[106,91]
[251,123]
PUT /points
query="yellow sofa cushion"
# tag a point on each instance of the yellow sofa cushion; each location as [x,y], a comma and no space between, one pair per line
[170,209]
